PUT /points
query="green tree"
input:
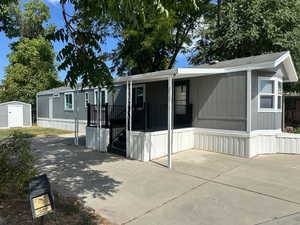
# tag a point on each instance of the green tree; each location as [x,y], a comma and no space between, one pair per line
[150,33]
[153,40]
[31,63]
[5,16]
[27,20]
[250,27]
[30,70]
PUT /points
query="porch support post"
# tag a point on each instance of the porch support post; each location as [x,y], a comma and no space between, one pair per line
[170,120]
[126,117]
[130,119]
[76,116]
[100,118]
[249,82]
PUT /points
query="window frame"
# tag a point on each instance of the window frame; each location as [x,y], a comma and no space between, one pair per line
[65,102]
[144,95]
[280,94]
[275,94]
[95,96]
[86,99]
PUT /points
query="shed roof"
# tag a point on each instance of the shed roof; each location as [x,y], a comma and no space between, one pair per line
[14,102]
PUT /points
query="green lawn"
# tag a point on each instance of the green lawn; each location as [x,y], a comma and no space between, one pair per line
[34,131]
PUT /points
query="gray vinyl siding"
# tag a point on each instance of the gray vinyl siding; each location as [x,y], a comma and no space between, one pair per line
[3,116]
[59,111]
[26,115]
[262,120]
[219,102]
[43,106]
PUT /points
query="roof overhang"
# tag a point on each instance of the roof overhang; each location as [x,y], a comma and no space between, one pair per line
[180,73]
[14,102]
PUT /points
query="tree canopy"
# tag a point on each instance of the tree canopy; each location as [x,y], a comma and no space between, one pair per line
[5,16]
[27,19]
[30,70]
[250,27]
[31,63]
[150,34]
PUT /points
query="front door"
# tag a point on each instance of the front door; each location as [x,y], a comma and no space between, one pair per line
[181,106]
[138,107]
[15,116]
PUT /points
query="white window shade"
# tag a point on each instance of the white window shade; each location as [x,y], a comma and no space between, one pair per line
[267,86]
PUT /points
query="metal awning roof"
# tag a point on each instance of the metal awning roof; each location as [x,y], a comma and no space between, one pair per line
[267,61]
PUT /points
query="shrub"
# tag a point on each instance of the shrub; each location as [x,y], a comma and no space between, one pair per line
[16,163]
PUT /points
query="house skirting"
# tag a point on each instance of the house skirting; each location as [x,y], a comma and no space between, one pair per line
[95,143]
[146,146]
[63,124]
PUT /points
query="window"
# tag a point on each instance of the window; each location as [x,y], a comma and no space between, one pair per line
[96,97]
[103,96]
[138,96]
[86,99]
[180,99]
[269,94]
[69,99]
[279,97]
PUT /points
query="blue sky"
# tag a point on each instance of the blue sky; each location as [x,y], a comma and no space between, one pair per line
[56,18]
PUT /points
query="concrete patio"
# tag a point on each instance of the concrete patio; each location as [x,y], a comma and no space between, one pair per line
[202,188]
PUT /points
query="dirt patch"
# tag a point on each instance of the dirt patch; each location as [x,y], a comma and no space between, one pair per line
[68,211]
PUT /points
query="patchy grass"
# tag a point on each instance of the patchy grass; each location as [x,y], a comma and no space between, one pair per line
[68,211]
[34,131]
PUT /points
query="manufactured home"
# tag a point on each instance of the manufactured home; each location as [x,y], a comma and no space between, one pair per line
[56,108]
[232,107]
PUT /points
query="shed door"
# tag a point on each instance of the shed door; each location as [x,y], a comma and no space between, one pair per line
[15,116]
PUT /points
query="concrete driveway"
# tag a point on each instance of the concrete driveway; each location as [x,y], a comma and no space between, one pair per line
[202,188]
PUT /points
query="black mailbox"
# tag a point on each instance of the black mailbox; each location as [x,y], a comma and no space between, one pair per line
[41,199]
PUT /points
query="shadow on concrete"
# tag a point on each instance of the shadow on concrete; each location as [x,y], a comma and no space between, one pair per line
[73,169]
[70,140]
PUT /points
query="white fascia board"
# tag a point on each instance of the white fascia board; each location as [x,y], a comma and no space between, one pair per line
[281,58]
[190,72]
[208,71]
[288,63]
[153,76]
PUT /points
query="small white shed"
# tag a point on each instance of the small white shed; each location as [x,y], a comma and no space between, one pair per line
[15,114]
